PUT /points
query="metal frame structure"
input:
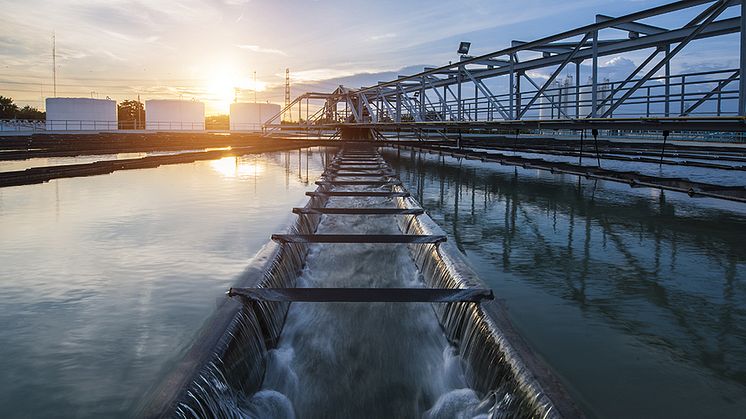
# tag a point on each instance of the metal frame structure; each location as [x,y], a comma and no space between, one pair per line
[501,89]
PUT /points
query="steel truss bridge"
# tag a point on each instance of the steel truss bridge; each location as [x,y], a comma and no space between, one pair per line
[526,97]
[537,84]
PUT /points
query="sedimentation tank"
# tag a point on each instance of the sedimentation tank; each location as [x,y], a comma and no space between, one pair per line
[320,324]
[81,114]
[174,115]
[251,116]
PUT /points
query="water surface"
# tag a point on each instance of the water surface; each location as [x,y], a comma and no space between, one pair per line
[106,279]
[636,298]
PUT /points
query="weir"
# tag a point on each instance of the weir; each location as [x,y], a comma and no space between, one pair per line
[385,319]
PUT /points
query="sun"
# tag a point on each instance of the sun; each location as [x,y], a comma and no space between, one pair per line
[224,88]
[221,91]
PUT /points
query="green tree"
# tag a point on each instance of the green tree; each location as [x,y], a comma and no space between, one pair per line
[131,114]
[8,109]
[30,113]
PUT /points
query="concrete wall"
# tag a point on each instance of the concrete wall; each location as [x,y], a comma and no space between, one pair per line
[81,114]
[251,116]
[174,115]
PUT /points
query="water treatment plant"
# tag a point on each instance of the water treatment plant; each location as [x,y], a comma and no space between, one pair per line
[544,227]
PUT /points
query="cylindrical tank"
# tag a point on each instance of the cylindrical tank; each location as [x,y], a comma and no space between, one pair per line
[80,114]
[251,116]
[174,115]
[549,101]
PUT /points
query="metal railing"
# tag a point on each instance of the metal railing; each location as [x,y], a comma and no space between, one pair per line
[79,125]
[174,126]
[21,125]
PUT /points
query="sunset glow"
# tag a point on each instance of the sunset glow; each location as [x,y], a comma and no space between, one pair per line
[196,50]
[236,167]
[223,88]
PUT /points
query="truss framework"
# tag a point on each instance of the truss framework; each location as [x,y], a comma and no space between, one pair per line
[503,88]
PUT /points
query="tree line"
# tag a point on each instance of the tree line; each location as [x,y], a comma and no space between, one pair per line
[9,110]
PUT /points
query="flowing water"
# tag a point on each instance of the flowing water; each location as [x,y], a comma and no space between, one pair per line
[105,280]
[362,359]
[636,298]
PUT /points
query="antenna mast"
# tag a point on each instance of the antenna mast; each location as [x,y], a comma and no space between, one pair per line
[287,87]
[54,64]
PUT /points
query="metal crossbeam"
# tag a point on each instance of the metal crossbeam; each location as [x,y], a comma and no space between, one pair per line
[360,211]
[378,165]
[360,193]
[365,295]
[358,168]
[358,183]
[382,174]
[359,238]
[635,27]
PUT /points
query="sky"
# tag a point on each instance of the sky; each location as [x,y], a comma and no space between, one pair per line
[204,50]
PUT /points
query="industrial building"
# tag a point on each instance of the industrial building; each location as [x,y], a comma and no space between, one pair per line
[174,115]
[251,116]
[81,114]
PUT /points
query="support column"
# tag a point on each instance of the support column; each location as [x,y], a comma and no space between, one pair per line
[422,99]
[511,88]
[459,105]
[476,102]
[444,104]
[741,77]
[594,76]
[577,88]
[518,96]
[398,107]
[667,88]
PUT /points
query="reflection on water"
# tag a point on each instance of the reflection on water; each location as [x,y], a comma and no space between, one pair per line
[14,165]
[243,167]
[636,298]
[106,279]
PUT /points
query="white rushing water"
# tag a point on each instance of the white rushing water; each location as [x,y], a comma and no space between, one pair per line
[362,359]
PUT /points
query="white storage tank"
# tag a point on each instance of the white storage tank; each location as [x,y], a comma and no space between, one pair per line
[81,114]
[251,116]
[174,115]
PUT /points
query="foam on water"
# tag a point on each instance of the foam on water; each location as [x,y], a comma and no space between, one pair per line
[352,359]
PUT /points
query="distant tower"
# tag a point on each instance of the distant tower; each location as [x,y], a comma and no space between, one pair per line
[287,87]
[254,86]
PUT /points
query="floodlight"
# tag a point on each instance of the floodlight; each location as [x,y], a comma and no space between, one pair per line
[463,48]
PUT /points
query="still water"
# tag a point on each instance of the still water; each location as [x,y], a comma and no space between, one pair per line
[636,298]
[105,280]
[15,165]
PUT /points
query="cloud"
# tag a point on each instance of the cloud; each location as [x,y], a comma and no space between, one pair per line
[257,48]
[388,35]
